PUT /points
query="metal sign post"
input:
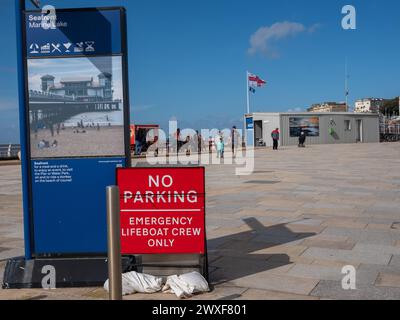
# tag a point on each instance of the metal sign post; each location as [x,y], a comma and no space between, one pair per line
[19,9]
[114,244]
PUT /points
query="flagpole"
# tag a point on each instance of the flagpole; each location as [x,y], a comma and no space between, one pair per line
[346,85]
[248,92]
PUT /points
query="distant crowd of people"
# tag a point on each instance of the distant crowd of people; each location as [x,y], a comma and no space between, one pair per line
[197,143]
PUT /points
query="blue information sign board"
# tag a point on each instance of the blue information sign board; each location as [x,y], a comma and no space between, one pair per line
[77,126]
[249,124]
[249,132]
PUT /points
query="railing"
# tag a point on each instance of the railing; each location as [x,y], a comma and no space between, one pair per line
[390,132]
[9,151]
[48,96]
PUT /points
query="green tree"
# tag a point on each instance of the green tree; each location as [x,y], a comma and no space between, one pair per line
[390,107]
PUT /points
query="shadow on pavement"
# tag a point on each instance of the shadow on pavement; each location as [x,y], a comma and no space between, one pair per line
[240,255]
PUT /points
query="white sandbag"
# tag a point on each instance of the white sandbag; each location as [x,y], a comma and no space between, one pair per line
[186,285]
[133,282]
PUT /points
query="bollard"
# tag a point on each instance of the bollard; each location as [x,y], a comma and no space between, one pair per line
[114,243]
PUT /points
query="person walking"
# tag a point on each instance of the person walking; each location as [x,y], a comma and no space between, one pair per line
[138,147]
[275,138]
[200,143]
[52,129]
[220,147]
[302,139]
[235,137]
[177,141]
[217,140]
[196,142]
[188,144]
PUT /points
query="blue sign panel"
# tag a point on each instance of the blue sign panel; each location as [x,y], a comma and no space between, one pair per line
[69,204]
[74,33]
[78,112]
[249,123]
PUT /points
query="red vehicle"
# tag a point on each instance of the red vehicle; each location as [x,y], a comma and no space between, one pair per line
[142,137]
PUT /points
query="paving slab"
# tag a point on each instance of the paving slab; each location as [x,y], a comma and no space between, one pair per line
[345,223]
[388,280]
[395,262]
[317,272]
[255,294]
[363,247]
[276,282]
[377,237]
[329,244]
[335,264]
[369,257]
[368,273]
[333,290]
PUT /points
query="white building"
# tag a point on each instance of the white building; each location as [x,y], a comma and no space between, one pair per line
[369,105]
[320,128]
[328,107]
[80,88]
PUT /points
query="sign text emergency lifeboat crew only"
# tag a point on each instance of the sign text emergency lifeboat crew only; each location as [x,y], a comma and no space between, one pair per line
[162,210]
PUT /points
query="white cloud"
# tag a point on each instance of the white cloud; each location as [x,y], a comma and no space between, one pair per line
[261,40]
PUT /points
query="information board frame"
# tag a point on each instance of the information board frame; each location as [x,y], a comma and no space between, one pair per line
[29,225]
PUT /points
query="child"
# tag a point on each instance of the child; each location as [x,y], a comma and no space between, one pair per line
[220,148]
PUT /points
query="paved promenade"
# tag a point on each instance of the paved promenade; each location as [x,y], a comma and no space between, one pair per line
[284,232]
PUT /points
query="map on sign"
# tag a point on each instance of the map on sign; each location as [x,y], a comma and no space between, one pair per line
[162,210]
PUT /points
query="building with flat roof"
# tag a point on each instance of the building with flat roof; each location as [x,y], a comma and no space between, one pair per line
[320,128]
[328,107]
[369,105]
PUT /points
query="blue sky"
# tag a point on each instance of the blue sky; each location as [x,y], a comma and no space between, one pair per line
[188,58]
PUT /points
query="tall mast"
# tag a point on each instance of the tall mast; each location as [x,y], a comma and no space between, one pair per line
[248,92]
[346,86]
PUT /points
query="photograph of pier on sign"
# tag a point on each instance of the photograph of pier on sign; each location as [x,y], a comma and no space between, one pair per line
[76,107]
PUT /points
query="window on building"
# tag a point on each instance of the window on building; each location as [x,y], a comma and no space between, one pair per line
[347,125]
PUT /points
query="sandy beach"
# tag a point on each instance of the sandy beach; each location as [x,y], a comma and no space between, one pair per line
[108,141]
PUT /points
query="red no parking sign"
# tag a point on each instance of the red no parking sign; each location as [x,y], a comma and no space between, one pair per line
[162,210]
